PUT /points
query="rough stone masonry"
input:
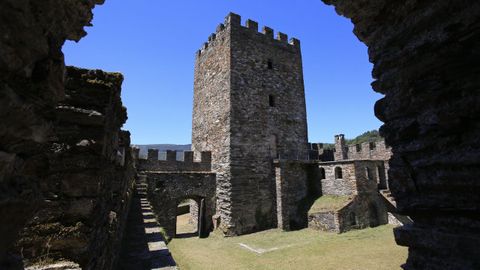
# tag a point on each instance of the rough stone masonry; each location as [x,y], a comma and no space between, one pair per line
[249,107]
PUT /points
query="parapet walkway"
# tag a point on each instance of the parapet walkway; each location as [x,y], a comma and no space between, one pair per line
[143,246]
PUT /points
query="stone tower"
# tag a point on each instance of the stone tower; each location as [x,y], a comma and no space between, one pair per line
[340,148]
[249,108]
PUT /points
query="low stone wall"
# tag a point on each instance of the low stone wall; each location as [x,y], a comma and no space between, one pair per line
[89,178]
[324,221]
[166,190]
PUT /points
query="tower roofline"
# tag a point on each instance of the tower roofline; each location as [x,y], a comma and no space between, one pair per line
[233,20]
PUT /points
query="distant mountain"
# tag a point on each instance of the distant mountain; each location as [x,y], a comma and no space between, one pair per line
[162,148]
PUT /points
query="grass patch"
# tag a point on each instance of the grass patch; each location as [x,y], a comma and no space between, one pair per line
[368,249]
[329,203]
[164,234]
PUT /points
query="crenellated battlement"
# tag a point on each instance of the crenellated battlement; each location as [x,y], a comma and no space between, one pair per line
[233,23]
[170,163]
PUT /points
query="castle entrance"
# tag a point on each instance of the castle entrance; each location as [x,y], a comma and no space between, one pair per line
[190,218]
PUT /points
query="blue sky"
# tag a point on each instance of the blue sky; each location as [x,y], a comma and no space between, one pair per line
[153,43]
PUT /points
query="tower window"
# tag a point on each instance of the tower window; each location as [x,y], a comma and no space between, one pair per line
[271,100]
[270,64]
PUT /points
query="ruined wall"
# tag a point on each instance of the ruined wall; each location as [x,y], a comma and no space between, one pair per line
[425,61]
[166,190]
[152,163]
[31,83]
[89,177]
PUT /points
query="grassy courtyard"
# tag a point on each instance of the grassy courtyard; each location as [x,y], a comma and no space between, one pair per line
[368,249]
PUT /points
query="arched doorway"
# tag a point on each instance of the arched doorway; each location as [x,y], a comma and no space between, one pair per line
[190,220]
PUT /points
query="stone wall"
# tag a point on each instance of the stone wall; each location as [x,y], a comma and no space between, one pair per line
[249,107]
[31,83]
[166,190]
[89,177]
[375,150]
[211,124]
[331,185]
[295,192]
[152,163]
[324,221]
[365,210]
[358,176]
[369,175]
[425,62]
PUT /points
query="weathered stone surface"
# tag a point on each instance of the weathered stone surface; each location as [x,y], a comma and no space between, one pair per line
[88,185]
[31,83]
[426,63]
[166,190]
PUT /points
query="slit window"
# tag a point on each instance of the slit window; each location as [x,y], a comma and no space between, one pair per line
[270,64]
[271,100]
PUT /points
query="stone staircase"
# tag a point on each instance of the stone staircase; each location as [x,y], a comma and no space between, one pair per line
[144,246]
[388,196]
[393,216]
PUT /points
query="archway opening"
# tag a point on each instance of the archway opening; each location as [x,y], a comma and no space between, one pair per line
[187,218]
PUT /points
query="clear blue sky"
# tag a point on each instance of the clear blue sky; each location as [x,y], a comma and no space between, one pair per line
[153,43]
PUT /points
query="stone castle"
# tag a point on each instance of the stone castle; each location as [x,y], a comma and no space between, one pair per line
[69,179]
[250,127]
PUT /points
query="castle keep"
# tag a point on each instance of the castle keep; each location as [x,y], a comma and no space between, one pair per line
[249,107]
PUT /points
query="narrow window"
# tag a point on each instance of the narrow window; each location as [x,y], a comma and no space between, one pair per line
[271,100]
[322,173]
[338,173]
[270,64]
[372,145]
